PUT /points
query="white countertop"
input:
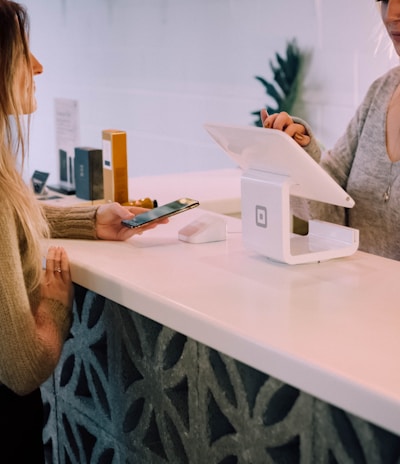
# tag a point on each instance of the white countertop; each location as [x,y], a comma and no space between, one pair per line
[330,329]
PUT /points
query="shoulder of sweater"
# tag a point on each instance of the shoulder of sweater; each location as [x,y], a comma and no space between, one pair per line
[392,73]
[390,77]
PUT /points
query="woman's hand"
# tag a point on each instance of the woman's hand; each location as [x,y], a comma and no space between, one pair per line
[283,122]
[53,315]
[57,282]
[109,217]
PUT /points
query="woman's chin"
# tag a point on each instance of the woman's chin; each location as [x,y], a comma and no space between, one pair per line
[29,109]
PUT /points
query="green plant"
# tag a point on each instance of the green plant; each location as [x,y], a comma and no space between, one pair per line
[288,78]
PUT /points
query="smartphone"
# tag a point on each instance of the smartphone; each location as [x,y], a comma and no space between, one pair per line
[167,210]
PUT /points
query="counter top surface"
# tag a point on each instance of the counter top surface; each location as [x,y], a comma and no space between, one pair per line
[330,328]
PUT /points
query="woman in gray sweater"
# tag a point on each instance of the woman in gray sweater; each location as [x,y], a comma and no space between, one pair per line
[364,161]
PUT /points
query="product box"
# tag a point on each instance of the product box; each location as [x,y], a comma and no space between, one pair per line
[89,173]
[115,165]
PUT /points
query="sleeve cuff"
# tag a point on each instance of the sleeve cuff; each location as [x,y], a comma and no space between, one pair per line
[77,222]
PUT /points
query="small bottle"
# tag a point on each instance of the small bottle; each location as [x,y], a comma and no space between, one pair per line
[142,202]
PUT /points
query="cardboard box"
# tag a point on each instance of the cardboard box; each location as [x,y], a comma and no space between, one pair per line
[115,166]
[89,173]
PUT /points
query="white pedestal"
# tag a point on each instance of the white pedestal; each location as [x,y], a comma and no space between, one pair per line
[266,224]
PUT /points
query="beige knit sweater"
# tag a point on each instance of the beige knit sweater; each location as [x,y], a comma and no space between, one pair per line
[24,358]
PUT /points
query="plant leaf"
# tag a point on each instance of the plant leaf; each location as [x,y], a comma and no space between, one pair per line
[287,74]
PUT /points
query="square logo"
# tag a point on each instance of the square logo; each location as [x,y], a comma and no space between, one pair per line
[261,216]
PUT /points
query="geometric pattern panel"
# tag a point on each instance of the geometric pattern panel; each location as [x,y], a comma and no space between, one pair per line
[129,390]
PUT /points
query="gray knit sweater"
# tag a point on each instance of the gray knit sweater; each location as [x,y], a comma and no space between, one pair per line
[359,162]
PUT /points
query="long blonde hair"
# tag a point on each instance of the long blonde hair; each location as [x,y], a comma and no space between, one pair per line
[14,51]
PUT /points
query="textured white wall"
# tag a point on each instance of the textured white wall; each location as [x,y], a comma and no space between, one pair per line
[159,69]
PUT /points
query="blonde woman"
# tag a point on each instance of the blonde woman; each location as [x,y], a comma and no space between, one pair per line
[35,304]
[365,161]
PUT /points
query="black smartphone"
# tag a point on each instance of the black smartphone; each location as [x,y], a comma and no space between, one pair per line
[169,209]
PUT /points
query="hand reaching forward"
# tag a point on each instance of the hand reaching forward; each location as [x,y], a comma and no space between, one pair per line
[109,217]
[284,122]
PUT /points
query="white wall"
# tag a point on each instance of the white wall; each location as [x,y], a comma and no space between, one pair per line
[159,69]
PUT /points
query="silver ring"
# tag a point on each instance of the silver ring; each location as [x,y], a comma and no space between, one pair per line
[58,269]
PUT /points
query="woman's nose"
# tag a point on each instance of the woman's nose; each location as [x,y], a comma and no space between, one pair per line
[37,67]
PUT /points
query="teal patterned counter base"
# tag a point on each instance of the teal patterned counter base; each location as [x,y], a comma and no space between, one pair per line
[131,391]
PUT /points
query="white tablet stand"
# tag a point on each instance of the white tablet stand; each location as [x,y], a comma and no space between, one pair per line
[276,167]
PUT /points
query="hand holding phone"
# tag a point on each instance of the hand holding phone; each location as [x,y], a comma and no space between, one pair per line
[167,210]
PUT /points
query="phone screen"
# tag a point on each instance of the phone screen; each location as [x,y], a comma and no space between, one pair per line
[169,209]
